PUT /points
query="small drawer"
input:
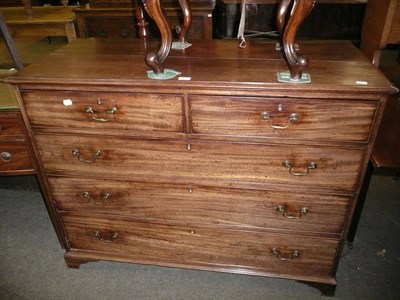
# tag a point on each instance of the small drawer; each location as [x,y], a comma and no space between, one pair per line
[14,156]
[260,253]
[211,162]
[9,125]
[119,111]
[333,120]
[226,207]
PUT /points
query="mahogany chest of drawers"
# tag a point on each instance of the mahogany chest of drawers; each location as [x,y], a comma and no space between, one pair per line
[222,168]
[15,154]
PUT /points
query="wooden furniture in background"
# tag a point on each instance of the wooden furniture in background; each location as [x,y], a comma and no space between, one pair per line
[385,157]
[287,24]
[15,154]
[46,21]
[108,19]
[381,27]
[228,170]
[288,21]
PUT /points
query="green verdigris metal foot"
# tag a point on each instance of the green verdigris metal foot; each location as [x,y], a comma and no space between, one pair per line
[285,77]
[168,74]
[180,45]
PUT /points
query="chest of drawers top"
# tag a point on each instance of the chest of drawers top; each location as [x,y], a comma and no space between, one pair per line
[212,66]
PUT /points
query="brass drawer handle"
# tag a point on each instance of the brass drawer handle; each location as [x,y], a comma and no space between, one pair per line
[285,257]
[110,111]
[102,238]
[291,119]
[6,156]
[300,212]
[287,164]
[95,154]
[104,198]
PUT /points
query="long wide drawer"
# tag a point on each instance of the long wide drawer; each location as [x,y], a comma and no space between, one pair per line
[185,161]
[121,111]
[234,250]
[228,207]
[311,119]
